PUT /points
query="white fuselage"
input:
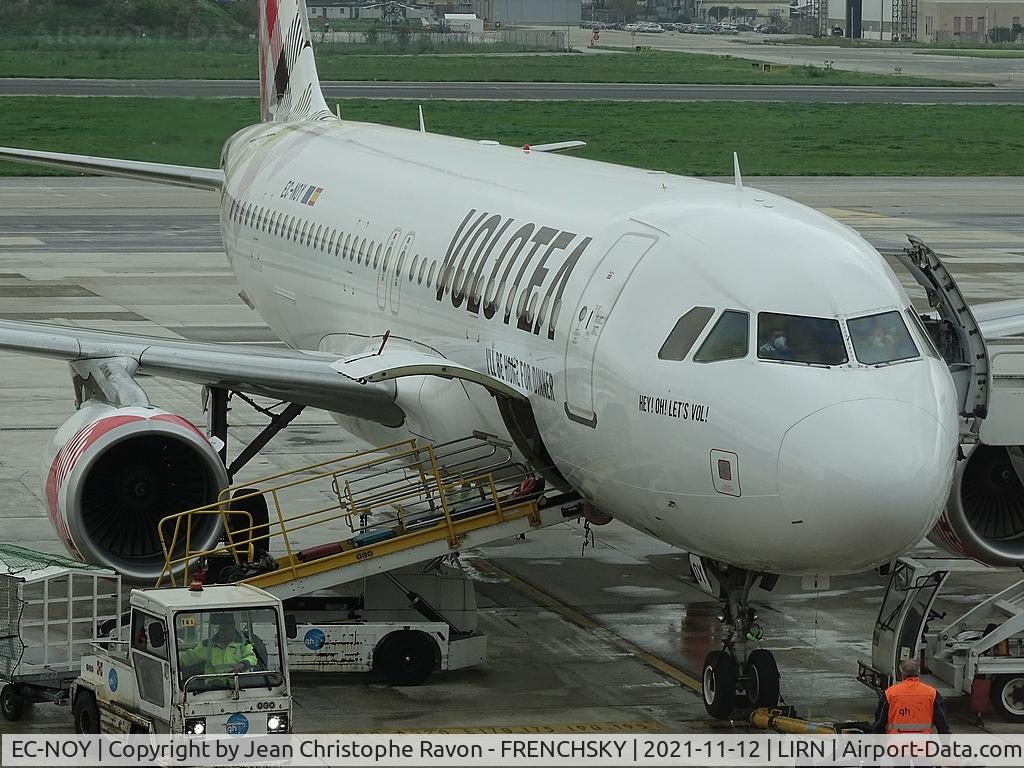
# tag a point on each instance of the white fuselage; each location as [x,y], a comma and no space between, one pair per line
[565,279]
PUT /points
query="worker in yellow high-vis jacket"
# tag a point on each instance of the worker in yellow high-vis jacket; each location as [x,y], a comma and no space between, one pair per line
[226,651]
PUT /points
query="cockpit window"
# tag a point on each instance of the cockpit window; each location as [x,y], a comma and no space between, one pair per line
[798,339]
[927,341]
[728,340]
[685,333]
[881,338]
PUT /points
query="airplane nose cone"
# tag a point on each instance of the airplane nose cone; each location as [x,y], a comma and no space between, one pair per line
[862,481]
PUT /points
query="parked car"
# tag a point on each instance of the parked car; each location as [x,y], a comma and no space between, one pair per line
[650,26]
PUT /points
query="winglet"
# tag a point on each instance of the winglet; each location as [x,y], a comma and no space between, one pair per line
[736,172]
[423,127]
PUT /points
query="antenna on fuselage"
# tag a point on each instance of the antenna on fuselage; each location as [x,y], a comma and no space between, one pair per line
[736,171]
[423,127]
[337,110]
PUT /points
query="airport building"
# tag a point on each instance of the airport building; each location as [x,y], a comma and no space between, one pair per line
[348,9]
[528,11]
[961,22]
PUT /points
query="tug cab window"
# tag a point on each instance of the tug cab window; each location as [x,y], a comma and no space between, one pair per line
[687,328]
[728,340]
[798,339]
[880,339]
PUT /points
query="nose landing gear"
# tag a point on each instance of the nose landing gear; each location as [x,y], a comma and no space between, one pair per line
[738,677]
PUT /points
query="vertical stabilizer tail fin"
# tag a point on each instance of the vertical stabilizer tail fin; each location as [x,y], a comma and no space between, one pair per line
[289,85]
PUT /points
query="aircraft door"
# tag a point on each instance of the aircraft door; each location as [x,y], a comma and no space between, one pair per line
[596,303]
[383,269]
[396,278]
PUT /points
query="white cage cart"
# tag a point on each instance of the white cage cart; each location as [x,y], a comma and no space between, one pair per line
[51,609]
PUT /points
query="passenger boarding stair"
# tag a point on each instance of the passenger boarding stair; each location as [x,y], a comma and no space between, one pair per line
[364,513]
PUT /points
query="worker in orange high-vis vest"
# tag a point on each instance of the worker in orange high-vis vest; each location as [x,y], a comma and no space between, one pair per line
[910,706]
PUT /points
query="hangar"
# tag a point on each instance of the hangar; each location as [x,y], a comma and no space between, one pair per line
[966,22]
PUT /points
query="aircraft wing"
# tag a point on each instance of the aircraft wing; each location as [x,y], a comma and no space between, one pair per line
[1000,318]
[162,173]
[285,374]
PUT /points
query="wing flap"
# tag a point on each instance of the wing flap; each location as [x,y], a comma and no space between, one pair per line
[161,173]
[1000,318]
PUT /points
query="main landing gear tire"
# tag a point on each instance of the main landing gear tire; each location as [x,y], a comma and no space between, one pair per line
[86,714]
[719,684]
[1008,697]
[12,703]
[762,679]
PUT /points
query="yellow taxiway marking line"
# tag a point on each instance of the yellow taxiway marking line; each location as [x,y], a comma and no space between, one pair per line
[614,726]
[585,622]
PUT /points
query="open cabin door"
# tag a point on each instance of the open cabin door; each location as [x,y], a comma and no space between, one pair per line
[595,305]
[956,334]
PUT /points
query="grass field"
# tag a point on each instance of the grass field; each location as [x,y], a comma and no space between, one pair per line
[698,139]
[162,60]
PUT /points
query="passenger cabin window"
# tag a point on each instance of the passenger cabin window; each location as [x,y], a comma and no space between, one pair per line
[683,336]
[880,339]
[728,340]
[798,339]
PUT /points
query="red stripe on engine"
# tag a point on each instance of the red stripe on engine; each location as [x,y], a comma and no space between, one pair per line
[170,418]
[64,462]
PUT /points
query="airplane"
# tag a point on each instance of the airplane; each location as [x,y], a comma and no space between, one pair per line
[721,368]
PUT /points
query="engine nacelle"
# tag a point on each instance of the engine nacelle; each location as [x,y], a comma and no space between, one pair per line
[984,517]
[111,474]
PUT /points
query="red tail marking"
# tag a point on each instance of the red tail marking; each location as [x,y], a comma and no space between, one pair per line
[271,17]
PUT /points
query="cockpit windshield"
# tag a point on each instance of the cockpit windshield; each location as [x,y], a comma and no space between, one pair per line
[882,338]
[228,641]
[798,339]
